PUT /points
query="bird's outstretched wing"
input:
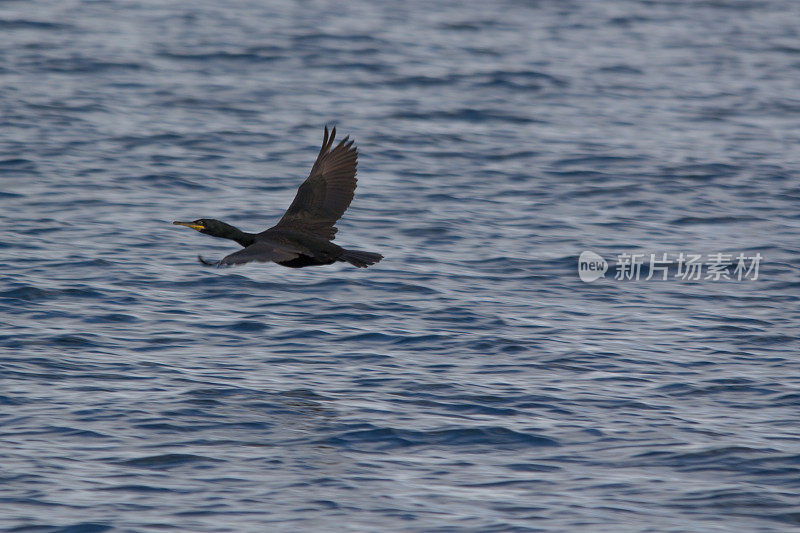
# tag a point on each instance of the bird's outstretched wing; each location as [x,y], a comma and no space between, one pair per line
[262,251]
[327,192]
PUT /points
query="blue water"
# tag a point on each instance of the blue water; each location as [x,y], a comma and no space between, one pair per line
[470,382]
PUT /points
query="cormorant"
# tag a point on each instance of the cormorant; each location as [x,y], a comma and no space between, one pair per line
[303,236]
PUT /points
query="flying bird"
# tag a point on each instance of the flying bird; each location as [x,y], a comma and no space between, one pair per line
[302,237]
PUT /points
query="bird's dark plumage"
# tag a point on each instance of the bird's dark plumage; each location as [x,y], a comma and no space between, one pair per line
[303,235]
[327,192]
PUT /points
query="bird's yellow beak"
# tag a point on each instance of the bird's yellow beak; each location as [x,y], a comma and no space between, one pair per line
[192,225]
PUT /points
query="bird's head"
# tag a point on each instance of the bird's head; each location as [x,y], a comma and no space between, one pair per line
[210,226]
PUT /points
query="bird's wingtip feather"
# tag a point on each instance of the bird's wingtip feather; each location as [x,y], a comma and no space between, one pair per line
[206,262]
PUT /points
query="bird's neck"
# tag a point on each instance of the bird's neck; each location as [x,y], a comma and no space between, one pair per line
[245,239]
[235,234]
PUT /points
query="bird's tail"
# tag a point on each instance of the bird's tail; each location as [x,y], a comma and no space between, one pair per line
[359,258]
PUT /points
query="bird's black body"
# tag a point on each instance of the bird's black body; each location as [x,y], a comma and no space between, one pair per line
[303,235]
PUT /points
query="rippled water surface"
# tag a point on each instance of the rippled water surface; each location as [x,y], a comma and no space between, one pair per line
[470,382]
